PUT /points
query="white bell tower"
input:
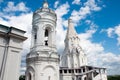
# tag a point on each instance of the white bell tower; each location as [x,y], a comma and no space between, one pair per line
[43,60]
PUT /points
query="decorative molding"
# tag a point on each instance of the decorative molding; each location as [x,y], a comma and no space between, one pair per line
[15,51]
[17,36]
[42,59]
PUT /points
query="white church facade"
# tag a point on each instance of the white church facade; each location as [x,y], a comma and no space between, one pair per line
[43,61]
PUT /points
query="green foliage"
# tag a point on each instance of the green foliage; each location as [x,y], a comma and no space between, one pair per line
[115,77]
[22,77]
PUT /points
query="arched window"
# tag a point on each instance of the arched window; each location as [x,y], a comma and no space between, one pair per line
[48,77]
[35,36]
[46,33]
[35,33]
[46,37]
[30,77]
[85,78]
[79,79]
[46,42]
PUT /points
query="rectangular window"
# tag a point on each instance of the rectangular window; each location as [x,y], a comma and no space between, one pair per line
[76,70]
[35,36]
[79,70]
[69,71]
[72,71]
[65,71]
[83,69]
[60,71]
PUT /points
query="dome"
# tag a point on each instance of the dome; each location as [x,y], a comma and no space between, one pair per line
[45,8]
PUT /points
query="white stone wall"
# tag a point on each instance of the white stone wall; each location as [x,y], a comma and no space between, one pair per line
[100,77]
[44,70]
[2,50]
[10,52]
[12,67]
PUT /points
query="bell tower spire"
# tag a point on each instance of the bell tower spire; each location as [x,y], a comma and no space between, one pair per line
[73,55]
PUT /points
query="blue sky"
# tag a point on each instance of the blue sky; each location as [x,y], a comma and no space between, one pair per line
[97,23]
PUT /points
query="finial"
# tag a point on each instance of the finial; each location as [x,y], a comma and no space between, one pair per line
[45,4]
[70,20]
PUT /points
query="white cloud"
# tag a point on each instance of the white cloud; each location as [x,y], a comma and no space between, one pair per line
[76,2]
[11,7]
[110,32]
[97,56]
[88,21]
[114,31]
[117,32]
[81,14]
[61,11]
[56,4]
[92,5]
[88,7]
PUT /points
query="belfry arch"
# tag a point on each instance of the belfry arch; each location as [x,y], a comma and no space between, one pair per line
[30,74]
[48,35]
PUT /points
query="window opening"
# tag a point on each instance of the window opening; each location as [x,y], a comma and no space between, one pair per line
[48,77]
[46,33]
[35,36]
[46,37]
[60,71]
[79,70]
[46,42]
[83,69]
[65,71]
[76,70]
[79,78]
[69,71]
[29,76]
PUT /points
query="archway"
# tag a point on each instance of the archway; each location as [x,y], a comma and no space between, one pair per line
[49,73]
[30,73]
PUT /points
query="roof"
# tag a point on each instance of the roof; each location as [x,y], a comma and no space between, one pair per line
[12,32]
[71,31]
[83,67]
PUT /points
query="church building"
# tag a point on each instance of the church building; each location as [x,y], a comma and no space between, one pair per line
[43,61]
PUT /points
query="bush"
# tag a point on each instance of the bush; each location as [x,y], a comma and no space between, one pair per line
[115,77]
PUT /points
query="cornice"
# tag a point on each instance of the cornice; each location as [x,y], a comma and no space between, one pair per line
[34,59]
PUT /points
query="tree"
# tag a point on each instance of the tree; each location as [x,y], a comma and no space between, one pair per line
[22,77]
[114,77]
